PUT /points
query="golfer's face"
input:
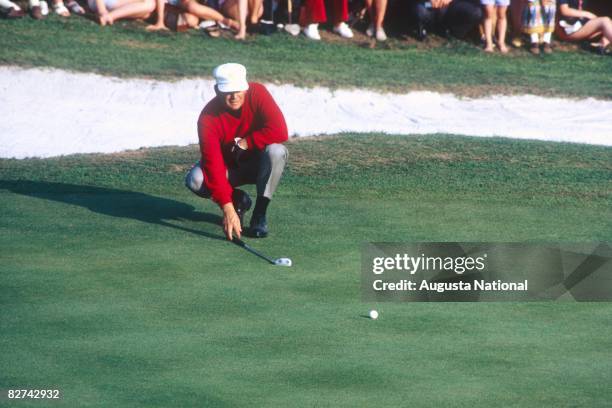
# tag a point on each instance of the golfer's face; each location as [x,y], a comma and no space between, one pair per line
[233,100]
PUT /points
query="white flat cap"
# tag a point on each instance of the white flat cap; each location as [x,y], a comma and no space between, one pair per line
[231,77]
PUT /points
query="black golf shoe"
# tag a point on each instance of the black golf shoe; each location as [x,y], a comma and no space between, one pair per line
[421,32]
[266,27]
[258,227]
[242,203]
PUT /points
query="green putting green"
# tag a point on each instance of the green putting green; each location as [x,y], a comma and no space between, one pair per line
[119,289]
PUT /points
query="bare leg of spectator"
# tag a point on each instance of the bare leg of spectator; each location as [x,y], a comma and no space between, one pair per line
[255,10]
[594,28]
[208,13]
[237,10]
[488,26]
[502,26]
[377,10]
[243,8]
[191,20]
[130,9]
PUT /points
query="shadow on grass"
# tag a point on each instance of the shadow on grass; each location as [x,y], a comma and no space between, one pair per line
[116,203]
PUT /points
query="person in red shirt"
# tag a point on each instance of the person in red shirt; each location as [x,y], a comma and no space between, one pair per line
[312,12]
[241,132]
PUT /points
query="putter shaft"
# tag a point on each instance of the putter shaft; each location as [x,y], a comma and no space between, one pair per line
[243,244]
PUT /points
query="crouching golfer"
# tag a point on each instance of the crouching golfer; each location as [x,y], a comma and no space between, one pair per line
[240,132]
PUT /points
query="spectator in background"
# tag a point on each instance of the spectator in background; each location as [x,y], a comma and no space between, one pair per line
[283,14]
[10,9]
[457,16]
[59,8]
[174,18]
[266,24]
[38,8]
[539,23]
[313,12]
[377,10]
[109,11]
[516,21]
[495,10]
[241,11]
[577,24]
[191,8]
[75,7]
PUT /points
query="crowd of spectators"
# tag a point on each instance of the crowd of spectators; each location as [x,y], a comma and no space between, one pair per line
[537,21]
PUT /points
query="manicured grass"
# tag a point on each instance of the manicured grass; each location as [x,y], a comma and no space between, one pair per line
[399,65]
[118,287]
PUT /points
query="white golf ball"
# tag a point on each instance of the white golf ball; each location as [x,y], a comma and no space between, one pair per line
[373,314]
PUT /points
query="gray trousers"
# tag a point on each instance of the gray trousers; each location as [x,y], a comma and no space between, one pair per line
[264,169]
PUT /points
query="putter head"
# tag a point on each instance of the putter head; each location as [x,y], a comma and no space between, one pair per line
[283,262]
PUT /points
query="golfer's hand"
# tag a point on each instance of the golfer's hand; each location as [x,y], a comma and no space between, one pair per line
[241,143]
[231,222]
[588,15]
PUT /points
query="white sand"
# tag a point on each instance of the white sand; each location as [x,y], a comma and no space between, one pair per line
[49,112]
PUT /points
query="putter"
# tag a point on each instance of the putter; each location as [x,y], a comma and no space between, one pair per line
[290,9]
[279,261]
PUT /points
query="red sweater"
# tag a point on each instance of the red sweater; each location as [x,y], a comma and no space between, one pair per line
[259,120]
